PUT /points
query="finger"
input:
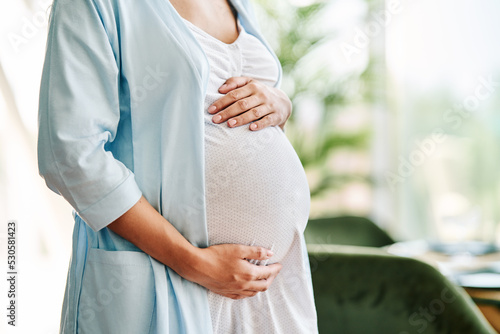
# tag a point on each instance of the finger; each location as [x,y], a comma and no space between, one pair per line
[251,115]
[261,285]
[269,120]
[239,294]
[230,98]
[265,279]
[233,83]
[255,252]
[248,293]
[240,108]
[267,272]
[231,295]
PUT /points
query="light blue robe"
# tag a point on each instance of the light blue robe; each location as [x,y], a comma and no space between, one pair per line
[120,116]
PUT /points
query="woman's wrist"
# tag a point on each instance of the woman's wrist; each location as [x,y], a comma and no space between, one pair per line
[152,233]
[190,263]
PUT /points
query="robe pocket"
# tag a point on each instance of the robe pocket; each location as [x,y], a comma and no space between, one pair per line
[118,293]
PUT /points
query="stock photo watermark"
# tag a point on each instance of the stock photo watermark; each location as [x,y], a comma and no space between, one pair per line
[294,280]
[12,272]
[373,28]
[248,151]
[91,305]
[452,118]
[151,81]
[30,26]
[422,317]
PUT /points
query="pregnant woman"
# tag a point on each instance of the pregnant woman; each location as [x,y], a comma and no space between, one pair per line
[162,125]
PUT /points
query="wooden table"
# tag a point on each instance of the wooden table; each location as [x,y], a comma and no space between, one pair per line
[487,300]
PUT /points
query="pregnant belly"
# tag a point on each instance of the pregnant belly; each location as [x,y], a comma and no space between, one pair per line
[257,191]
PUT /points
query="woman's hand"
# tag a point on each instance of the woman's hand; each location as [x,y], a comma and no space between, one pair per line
[248,100]
[220,268]
[224,269]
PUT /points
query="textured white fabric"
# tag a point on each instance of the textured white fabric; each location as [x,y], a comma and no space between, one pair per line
[257,193]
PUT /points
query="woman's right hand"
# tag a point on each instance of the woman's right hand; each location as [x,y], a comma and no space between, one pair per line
[220,268]
[224,270]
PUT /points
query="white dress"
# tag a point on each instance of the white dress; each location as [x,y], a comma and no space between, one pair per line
[257,194]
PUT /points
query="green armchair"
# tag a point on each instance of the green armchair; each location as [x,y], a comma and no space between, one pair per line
[346,230]
[364,290]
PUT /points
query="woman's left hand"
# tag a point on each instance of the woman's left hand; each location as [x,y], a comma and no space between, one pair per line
[248,100]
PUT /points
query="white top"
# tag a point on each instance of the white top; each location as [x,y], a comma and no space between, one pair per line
[256,193]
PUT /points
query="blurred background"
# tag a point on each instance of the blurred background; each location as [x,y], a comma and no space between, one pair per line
[395,118]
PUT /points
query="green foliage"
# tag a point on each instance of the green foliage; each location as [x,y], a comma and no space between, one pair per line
[297,37]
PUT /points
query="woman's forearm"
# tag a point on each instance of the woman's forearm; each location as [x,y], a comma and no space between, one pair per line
[151,232]
[222,268]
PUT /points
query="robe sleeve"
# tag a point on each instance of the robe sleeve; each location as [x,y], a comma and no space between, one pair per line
[79,113]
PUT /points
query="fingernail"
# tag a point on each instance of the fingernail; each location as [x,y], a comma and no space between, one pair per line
[212,109]
[270,253]
[231,122]
[216,118]
[253,126]
[223,86]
